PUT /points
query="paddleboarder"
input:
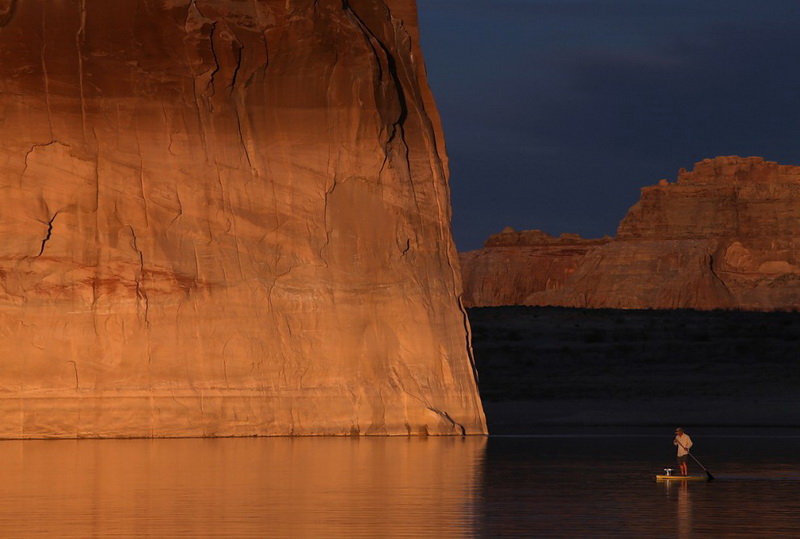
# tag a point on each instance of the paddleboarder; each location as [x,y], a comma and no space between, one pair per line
[684,443]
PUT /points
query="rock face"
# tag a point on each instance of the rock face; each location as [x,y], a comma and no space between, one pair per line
[225,218]
[513,265]
[724,236]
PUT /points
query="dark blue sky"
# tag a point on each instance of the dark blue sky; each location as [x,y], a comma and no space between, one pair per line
[556,112]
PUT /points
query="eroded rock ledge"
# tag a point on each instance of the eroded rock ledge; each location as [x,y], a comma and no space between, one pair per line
[225,218]
[723,236]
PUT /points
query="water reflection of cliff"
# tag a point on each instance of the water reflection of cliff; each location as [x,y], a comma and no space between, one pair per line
[278,487]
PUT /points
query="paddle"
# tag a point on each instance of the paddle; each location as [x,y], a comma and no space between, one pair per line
[710,477]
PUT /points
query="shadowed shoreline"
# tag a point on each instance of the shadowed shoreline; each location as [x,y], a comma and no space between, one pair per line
[551,367]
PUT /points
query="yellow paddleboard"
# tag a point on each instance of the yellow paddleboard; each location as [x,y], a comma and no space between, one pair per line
[681,478]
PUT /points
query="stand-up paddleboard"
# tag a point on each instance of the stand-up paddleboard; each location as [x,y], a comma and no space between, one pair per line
[681,478]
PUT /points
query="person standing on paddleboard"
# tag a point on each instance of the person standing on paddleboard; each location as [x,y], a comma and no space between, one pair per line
[684,443]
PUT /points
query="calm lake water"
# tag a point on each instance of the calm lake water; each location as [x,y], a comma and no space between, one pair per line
[593,484]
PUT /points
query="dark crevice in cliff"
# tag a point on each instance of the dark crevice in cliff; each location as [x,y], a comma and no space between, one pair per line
[75,372]
[80,38]
[238,56]
[209,26]
[468,331]
[242,141]
[398,126]
[142,191]
[719,280]
[213,74]
[33,149]
[446,417]
[391,65]
[406,248]
[327,241]
[389,72]
[46,78]
[47,236]
[238,108]
[141,295]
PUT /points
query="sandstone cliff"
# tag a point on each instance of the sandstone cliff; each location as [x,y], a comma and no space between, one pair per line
[225,218]
[724,236]
[513,265]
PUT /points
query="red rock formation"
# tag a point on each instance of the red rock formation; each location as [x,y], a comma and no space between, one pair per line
[724,236]
[513,265]
[225,218]
[726,197]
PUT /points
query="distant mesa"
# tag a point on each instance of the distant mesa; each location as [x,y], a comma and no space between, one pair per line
[723,236]
[509,237]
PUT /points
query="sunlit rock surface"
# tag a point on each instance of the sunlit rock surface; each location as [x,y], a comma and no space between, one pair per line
[513,265]
[225,218]
[724,236]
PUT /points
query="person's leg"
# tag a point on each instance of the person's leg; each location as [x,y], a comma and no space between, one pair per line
[686,465]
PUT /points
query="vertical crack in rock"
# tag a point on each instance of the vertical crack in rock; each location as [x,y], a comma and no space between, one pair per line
[326,243]
[225,362]
[719,280]
[456,275]
[96,209]
[141,294]
[75,372]
[468,330]
[45,75]
[170,133]
[391,67]
[236,93]
[406,248]
[179,214]
[397,134]
[210,89]
[212,27]
[49,233]
[242,140]
[80,36]
[141,176]
[238,57]
[193,26]
[399,123]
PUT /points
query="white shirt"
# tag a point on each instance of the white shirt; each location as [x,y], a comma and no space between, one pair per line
[685,441]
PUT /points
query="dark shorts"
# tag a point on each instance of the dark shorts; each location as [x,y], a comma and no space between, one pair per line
[683,458]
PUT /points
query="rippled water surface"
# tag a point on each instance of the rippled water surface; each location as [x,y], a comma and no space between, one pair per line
[552,485]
